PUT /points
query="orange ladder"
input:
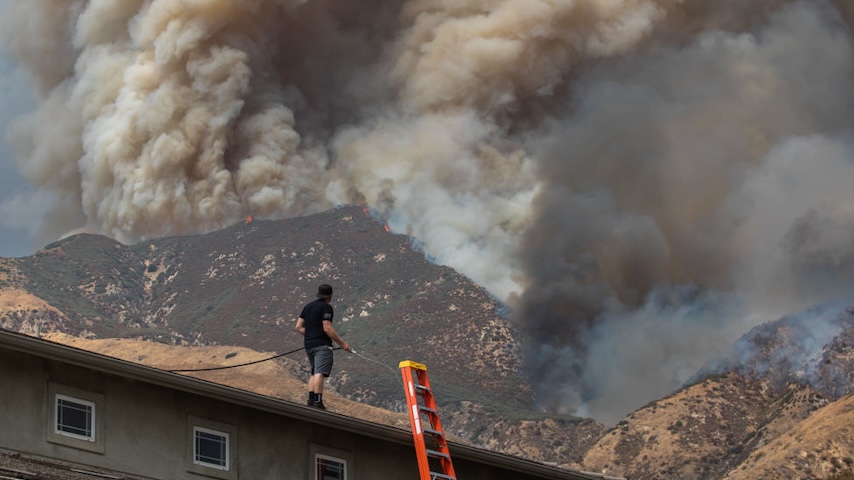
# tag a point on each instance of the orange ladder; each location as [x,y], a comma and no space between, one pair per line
[415,384]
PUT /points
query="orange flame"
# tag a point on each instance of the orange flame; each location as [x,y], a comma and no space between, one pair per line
[386,228]
[249,219]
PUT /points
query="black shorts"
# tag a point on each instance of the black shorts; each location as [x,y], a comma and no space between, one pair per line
[320,359]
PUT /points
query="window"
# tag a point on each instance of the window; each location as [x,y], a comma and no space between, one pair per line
[329,468]
[75,418]
[210,448]
[330,463]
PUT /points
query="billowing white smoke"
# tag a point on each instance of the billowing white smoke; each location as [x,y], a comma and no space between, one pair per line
[643,180]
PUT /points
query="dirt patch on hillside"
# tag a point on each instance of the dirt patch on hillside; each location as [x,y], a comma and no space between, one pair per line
[15,299]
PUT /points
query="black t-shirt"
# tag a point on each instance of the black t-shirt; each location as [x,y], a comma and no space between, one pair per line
[314,314]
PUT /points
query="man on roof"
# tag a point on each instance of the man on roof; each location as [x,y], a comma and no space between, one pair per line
[315,323]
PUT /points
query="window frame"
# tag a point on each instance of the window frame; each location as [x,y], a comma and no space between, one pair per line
[229,432]
[92,415]
[318,452]
[53,433]
[226,440]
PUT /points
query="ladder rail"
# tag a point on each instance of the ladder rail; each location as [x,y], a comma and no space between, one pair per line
[417,384]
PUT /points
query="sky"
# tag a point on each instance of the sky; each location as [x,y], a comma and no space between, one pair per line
[20,205]
[640,181]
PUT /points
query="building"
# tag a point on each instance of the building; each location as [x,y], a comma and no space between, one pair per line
[76,414]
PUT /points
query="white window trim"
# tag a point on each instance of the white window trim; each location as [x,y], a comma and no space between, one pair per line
[323,452]
[225,435]
[343,461]
[56,391]
[92,421]
[229,431]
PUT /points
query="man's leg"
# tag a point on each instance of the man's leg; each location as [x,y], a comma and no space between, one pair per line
[322,368]
[315,383]
[312,392]
[315,391]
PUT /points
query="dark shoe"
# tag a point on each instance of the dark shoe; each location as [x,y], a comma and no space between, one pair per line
[319,405]
[309,402]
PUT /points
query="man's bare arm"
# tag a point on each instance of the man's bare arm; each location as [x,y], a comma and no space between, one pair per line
[330,330]
[300,327]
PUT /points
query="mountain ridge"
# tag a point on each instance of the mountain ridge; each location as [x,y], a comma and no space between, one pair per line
[242,288]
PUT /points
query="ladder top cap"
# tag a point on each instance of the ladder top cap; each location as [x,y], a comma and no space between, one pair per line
[410,363]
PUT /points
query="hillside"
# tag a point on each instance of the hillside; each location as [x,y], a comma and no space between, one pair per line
[779,407]
[703,431]
[246,284]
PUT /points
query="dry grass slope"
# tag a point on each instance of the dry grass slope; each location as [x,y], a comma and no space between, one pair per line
[266,378]
[822,446]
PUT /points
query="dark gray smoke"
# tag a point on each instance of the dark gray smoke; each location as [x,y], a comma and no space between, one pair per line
[643,180]
[716,164]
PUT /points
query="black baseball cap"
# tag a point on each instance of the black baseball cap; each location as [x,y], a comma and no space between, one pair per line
[324,290]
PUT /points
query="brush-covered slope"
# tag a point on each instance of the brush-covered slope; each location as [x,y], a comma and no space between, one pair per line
[245,285]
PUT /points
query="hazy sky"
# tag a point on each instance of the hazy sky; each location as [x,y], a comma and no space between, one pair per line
[19,205]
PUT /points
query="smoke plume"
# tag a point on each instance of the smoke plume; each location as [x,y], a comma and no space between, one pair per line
[642,180]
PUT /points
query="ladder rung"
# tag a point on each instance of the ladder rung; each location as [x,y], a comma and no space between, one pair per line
[435,475]
[434,432]
[434,453]
[422,387]
[426,409]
